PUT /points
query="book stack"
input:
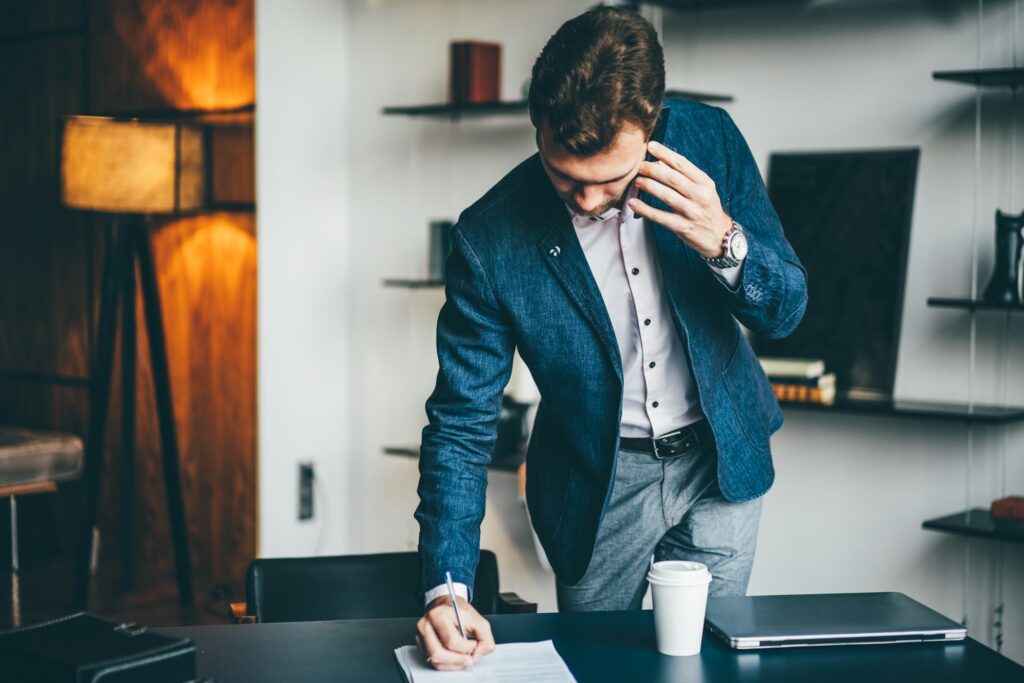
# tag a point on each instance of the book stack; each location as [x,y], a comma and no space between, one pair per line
[800,380]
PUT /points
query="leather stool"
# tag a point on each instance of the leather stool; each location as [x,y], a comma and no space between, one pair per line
[33,462]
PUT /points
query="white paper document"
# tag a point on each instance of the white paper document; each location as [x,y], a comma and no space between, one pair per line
[509,663]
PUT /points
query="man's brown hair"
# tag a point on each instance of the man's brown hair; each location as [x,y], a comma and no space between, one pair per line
[600,70]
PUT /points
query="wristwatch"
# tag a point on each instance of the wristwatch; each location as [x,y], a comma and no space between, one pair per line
[734,248]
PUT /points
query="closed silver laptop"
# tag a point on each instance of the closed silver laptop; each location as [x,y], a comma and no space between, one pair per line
[829,619]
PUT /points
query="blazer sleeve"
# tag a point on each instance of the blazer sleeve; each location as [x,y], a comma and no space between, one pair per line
[475,347]
[771,295]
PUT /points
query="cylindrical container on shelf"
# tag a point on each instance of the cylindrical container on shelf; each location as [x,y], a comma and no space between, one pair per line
[440,246]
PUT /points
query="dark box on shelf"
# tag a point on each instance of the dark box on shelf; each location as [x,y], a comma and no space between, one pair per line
[475,72]
[1009,512]
[82,648]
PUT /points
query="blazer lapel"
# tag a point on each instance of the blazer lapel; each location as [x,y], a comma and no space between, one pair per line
[561,252]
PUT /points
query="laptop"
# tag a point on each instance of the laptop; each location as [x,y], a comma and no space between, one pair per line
[772,621]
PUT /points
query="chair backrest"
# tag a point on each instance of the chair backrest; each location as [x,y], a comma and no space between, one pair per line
[351,587]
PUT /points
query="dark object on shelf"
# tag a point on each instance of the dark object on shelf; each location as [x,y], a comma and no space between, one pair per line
[1003,287]
[440,247]
[976,523]
[1010,77]
[510,462]
[82,648]
[982,414]
[972,304]
[847,216]
[512,434]
[1008,513]
[475,72]
[413,284]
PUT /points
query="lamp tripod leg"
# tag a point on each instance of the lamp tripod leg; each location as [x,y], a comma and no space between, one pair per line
[165,414]
[129,340]
[99,403]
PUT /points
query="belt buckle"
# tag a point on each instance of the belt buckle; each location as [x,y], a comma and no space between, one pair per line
[678,432]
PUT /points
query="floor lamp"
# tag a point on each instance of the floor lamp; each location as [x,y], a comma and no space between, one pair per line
[130,169]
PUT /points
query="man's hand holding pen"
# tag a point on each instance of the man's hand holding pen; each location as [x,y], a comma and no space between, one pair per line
[437,634]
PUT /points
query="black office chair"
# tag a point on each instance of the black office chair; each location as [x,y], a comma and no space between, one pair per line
[355,587]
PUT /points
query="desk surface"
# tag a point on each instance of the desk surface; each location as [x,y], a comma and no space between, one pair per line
[599,646]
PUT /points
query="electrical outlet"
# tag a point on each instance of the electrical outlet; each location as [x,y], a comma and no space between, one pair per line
[306,490]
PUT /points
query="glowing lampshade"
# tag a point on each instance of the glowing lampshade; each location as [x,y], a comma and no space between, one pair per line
[132,166]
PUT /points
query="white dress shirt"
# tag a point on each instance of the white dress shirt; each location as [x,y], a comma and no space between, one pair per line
[658,394]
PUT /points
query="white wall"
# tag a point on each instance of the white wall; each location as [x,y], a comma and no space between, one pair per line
[305,277]
[346,364]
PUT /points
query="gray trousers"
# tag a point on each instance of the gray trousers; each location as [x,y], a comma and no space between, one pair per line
[669,510]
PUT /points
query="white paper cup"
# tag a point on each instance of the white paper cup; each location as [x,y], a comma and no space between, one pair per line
[680,592]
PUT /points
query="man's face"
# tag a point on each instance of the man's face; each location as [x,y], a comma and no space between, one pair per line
[592,185]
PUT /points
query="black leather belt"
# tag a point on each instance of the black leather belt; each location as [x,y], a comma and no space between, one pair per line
[671,445]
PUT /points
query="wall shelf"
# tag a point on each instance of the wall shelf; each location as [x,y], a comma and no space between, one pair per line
[972,304]
[1009,77]
[976,523]
[986,414]
[718,4]
[413,283]
[506,464]
[455,111]
[677,94]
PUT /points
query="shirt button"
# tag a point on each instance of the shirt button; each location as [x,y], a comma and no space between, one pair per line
[636,271]
[654,405]
[651,364]
[647,321]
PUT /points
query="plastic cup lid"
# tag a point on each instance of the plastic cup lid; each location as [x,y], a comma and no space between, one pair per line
[679,573]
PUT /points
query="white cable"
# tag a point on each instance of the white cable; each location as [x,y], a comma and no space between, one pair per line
[969,453]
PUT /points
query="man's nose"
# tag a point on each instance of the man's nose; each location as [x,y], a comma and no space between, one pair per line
[588,198]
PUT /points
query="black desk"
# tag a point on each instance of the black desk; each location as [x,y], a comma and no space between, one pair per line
[601,646]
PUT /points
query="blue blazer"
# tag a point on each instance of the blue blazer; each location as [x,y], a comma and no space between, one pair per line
[517,278]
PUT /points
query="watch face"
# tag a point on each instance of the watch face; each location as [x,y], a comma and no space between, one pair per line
[738,245]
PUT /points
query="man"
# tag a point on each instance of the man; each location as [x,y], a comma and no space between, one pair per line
[620,281]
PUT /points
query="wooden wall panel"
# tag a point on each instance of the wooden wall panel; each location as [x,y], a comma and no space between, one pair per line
[184,54]
[25,17]
[207,276]
[144,54]
[44,249]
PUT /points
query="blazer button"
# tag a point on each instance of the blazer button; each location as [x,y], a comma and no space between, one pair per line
[555,251]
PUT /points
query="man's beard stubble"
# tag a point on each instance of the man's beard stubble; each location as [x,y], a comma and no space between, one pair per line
[617,202]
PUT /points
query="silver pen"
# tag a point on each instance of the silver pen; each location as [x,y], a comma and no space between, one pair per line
[455,605]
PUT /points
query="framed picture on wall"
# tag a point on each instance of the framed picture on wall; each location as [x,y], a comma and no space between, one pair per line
[847,215]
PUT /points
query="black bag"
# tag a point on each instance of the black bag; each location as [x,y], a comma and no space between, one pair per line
[83,648]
